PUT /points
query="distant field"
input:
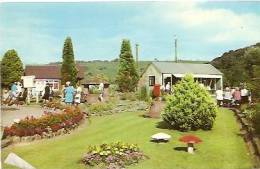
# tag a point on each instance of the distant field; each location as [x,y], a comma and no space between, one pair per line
[109,69]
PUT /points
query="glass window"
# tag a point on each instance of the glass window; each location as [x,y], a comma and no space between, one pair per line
[151,80]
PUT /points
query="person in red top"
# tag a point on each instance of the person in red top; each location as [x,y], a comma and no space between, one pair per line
[237,96]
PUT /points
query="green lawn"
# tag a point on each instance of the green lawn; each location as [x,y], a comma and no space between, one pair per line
[221,148]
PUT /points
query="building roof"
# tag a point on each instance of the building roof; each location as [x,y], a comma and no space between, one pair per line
[184,68]
[49,71]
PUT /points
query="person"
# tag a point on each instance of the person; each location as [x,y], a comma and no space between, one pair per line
[14,90]
[101,88]
[227,96]
[219,97]
[69,93]
[19,88]
[168,87]
[46,94]
[51,93]
[244,95]
[237,96]
[78,95]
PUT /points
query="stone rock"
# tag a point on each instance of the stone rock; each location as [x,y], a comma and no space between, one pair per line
[16,139]
[13,159]
[6,142]
[37,137]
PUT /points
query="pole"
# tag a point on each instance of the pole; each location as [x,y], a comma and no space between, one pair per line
[136,54]
[176,57]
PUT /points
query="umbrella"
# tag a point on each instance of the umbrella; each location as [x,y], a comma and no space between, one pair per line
[190,140]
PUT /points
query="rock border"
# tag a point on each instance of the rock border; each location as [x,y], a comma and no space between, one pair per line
[252,141]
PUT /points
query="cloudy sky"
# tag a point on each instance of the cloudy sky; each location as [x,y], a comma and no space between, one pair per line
[204,29]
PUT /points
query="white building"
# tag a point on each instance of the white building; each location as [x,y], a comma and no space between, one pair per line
[164,72]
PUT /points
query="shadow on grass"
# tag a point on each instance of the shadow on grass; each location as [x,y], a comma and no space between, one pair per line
[163,125]
[159,141]
[180,149]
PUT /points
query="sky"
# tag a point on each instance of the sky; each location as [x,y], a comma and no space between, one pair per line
[204,30]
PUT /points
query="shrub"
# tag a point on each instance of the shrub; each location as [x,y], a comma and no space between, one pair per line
[31,125]
[94,90]
[190,107]
[128,96]
[100,108]
[256,118]
[115,155]
[143,93]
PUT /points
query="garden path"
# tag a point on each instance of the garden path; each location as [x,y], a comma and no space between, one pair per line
[8,114]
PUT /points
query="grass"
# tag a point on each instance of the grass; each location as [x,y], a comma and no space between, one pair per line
[221,148]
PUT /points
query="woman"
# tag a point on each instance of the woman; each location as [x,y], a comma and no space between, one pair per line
[46,95]
[227,96]
[237,96]
[78,95]
[69,93]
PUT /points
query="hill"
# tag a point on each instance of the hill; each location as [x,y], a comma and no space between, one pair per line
[240,66]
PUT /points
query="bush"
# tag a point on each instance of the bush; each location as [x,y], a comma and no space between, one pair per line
[256,118]
[115,155]
[128,96]
[190,107]
[94,90]
[143,93]
[100,108]
[31,125]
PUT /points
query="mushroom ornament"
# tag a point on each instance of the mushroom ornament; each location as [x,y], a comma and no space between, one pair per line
[190,140]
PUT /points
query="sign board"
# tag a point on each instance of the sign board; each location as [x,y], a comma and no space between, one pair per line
[28,81]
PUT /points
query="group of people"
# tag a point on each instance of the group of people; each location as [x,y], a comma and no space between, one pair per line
[233,96]
[72,95]
[15,94]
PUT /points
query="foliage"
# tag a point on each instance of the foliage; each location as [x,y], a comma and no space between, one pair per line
[31,125]
[11,68]
[68,68]
[256,119]
[128,96]
[190,107]
[56,104]
[144,93]
[100,108]
[94,90]
[127,76]
[240,66]
[115,155]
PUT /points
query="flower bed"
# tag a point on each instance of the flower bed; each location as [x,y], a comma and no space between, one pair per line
[49,122]
[113,156]
[54,105]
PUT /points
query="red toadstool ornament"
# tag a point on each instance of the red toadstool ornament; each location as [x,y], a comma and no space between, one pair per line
[190,140]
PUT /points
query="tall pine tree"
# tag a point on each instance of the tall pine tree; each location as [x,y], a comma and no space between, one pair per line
[68,68]
[127,76]
[12,68]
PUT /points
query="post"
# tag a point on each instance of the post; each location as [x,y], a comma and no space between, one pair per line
[136,53]
[176,57]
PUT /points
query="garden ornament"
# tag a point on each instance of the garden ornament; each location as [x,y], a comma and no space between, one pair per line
[190,140]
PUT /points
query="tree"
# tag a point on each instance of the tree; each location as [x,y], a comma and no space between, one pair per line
[252,65]
[190,107]
[127,76]
[12,68]
[68,68]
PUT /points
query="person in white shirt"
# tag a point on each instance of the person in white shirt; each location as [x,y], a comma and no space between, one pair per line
[78,95]
[101,88]
[168,87]
[219,97]
[244,95]
[227,96]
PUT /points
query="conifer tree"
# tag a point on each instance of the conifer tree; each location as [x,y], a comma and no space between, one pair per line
[68,68]
[127,76]
[11,68]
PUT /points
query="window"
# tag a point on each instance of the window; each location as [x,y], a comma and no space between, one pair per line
[151,80]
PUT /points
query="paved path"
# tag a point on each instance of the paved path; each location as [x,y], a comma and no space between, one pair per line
[8,114]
